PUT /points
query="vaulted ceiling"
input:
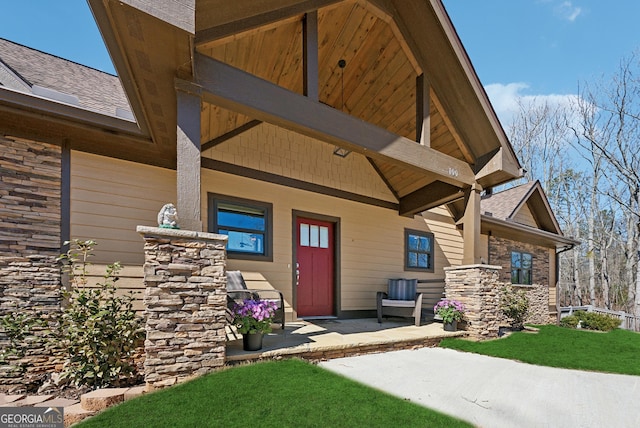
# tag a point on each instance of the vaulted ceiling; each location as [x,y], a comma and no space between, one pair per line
[381,62]
[376,83]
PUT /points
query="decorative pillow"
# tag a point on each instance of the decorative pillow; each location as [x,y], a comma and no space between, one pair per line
[402,289]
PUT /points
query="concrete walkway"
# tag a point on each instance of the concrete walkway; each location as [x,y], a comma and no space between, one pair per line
[493,392]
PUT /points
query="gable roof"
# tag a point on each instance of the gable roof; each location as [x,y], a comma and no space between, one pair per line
[56,78]
[503,213]
[387,46]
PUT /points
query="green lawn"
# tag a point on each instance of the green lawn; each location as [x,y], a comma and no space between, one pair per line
[617,351]
[289,393]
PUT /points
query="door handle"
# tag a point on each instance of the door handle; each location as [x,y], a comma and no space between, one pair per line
[297,274]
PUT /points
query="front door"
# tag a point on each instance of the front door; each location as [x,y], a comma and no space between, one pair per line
[314,278]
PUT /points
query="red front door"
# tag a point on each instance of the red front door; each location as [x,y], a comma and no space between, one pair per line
[315,291]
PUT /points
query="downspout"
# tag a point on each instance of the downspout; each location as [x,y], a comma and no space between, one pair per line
[569,247]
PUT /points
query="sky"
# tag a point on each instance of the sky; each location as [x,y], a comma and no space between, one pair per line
[536,49]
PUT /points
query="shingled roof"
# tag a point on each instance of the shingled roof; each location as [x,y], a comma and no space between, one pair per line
[42,74]
[503,205]
[506,206]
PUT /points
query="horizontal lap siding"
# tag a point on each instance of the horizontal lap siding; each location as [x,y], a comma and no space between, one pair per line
[110,197]
[130,281]
[371,238]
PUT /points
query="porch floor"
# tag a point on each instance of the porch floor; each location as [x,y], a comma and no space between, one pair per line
[317,340]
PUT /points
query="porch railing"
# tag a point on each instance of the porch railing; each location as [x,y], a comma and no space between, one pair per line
[628,321]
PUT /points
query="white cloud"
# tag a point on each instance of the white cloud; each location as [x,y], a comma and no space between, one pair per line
[505,99]
[567,10]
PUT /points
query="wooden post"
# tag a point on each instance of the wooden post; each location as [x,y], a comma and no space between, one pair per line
[471,231]
[310,55]
[188,155]
[423,111]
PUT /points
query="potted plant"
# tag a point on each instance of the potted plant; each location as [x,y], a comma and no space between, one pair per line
[253,318]
[451,311]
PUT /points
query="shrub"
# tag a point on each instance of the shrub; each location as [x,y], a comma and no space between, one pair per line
[98,329]
[514,305]
[590,321]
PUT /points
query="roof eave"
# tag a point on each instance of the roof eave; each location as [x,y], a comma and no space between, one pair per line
[536,236]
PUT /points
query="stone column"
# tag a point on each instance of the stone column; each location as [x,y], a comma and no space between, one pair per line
[185,301]
[478,288]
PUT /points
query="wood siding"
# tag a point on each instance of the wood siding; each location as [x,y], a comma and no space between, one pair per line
[278,151]
[110,197]
[371,240]
[524,216]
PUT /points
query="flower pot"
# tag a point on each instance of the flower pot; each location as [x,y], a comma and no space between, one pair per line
[450,326]
[252,341]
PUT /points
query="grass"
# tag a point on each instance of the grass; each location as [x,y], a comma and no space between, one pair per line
[289,393]
[612,352]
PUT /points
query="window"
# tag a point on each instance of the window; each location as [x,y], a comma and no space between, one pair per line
[418,250]
[248,224]
[521,264]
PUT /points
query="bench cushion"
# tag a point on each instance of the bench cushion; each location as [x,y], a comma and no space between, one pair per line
[399,303]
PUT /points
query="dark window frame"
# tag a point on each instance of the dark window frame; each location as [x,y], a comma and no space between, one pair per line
[407,251]
[520,270]
[214,200]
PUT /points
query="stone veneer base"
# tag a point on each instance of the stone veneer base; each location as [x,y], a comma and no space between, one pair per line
[185,303]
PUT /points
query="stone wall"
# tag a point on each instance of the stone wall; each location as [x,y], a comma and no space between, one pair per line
[185,300]
[538,293]
[30,219]
[500,254]
[479,288]
[538,296]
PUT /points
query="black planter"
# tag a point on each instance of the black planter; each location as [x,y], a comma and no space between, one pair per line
[450,326]
[252,341]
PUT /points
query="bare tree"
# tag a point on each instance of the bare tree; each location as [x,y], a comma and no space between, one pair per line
[610,131]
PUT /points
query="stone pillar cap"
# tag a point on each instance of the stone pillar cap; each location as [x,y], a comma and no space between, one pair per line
[179,233]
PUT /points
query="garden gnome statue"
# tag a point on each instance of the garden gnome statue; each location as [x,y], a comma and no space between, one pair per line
[168,217]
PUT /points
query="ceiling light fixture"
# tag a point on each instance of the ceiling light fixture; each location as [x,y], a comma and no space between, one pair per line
[339,151]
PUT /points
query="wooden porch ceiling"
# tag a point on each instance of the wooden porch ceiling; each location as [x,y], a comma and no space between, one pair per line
[377,85]
[386,44]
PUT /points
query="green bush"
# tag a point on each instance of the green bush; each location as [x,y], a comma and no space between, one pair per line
[99,330]
[514,304]
[590,321]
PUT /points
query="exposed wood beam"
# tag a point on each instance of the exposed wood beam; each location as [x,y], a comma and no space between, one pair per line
[244,93]
[228,135]
[247,21]
[384,178]
[229,168]
[464,148]
[430,196]
[252,32]
[310,85]
[384,12]
[495,163]
[423,111]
